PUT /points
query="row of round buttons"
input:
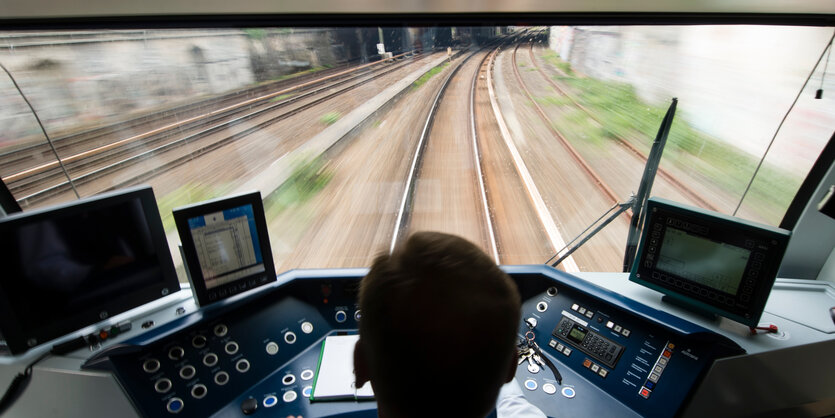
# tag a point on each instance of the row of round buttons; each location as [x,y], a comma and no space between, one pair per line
[289,338]
[153,365]
[175,404]
[342,316]
[164,384]
[250,405]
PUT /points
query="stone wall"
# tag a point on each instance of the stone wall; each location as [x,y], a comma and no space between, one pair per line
[91,78]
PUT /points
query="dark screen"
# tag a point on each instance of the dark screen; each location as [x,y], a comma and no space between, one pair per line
[56,267]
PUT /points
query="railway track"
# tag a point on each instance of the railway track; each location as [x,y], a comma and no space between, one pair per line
[43,182]
[663,173]
[527,228]
[571,192]
[35,151]
[429,156]
[596,178]
[428,163]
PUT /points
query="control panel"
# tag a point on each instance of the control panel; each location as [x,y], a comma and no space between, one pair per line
[610,351]
[257,354]
[252,353]
[575,331]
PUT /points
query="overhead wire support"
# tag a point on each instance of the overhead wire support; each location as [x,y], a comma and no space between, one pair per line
[612,214]
[645,188]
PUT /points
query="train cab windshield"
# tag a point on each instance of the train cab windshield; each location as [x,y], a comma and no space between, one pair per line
[276,152]
[515,137]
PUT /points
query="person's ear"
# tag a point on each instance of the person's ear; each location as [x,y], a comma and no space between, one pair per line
[361,372]
[511,372]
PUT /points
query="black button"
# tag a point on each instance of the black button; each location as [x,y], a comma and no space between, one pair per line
[249,405]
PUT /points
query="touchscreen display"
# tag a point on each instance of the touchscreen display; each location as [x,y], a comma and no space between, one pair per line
[227,245]
[713,264]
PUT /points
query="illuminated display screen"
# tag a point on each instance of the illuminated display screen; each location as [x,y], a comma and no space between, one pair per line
[577,334]
[227,245]
[713,264]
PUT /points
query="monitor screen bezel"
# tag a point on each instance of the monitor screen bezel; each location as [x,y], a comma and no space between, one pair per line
[20,340]
[201,292]
[760,280]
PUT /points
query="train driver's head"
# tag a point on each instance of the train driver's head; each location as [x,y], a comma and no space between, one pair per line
[438,329]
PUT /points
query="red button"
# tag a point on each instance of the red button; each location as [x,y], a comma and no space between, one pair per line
[587,363]
[645,392]
[103,334]
[667,353]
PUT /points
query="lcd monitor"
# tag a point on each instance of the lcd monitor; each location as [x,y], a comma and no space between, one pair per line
[709,262]
[226,247]
[73,265]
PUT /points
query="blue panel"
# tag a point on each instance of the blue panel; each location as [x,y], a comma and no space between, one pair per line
[258,322]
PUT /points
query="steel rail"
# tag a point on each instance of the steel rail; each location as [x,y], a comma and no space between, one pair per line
[100,131]
[104,171]
[198,119]
[126,146]
[628,145]
[404,211]
[542,211]
[571,150]
[478,161]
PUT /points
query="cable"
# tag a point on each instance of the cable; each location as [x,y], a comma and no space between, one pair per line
[769,329]
[19,383]
[43,129]
[759,165]
[819,93]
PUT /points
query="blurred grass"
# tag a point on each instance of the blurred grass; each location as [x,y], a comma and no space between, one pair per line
[330,118]
[556,100]
[623,114]
[429,74]
[281,97]
[308,178]
[553,58]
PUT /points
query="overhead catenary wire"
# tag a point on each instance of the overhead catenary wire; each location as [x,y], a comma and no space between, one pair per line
[786,116]
[43,129]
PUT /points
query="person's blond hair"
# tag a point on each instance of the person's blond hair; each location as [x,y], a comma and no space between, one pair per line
[439,326]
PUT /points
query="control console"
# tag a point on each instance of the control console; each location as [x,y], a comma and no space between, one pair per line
[615,356]
[257,353]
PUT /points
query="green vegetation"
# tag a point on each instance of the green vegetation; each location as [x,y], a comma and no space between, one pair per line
[429,74]
[554,59]
[330,118]
[281,97]
[256,33]
[308,178]
[553,100]
[623,114]
[185,195]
